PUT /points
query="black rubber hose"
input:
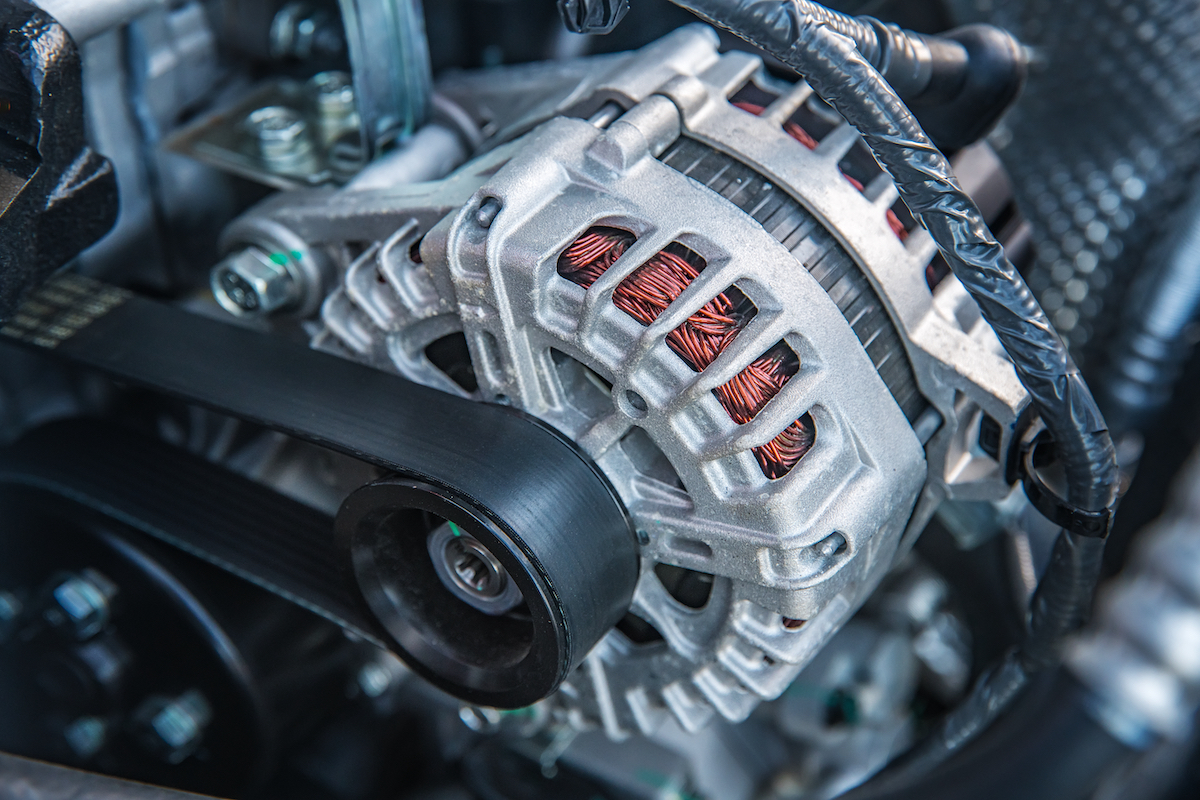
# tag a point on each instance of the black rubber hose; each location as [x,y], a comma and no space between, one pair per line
[792,31]
[906,59]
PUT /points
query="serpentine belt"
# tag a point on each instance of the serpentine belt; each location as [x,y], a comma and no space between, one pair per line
[189,503]
[527,478]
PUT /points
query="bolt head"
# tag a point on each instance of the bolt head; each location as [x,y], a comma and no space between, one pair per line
[173,728]
[251,283]
[332,95]
[80,604]
[471,572]
[276,123]
[333,91]
[302,31]
[281,133]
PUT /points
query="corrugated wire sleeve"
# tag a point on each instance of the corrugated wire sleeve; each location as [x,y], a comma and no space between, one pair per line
[815,42]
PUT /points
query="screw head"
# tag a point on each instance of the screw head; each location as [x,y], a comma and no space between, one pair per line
[334,91]
[302,31]
[80,604]
[251,283]
[281,133]
[173,728]
[332,95]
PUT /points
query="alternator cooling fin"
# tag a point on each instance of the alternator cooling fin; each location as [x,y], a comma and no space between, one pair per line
[815,248]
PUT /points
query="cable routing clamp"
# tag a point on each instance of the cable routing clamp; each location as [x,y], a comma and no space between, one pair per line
[1042,478]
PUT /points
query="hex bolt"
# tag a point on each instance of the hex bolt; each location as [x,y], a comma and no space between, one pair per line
[333,93]
[302,31]
[173,728]
[251,283]
[281,134]
[86,735]
[81,603]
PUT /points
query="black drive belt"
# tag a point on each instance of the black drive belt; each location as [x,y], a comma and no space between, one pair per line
[270,380]
[196,506]
[540,493]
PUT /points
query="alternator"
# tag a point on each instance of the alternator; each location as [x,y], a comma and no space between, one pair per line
[700,275]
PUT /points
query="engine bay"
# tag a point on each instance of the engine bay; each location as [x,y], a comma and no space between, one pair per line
[507,399]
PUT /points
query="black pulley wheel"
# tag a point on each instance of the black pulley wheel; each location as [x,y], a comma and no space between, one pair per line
[495,608]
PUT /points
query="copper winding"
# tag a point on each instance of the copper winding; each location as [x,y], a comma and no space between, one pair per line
[647,293]
[802,136]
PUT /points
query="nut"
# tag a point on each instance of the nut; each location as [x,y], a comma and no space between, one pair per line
[281,133]
[251,283]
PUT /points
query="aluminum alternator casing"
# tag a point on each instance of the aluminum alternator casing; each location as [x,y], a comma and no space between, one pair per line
[896,378]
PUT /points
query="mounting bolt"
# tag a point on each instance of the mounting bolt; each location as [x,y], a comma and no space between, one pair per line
[251,283]
[173,728]
[80,603]
[333,96]
[301,30]
[282,135]
[470,571]
[86,735]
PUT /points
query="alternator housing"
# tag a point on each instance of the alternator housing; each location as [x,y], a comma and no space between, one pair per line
[898,380]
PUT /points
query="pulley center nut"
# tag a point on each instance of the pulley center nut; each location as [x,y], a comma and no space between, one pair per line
[494,605]
[471,572]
